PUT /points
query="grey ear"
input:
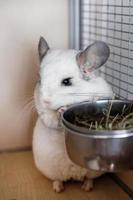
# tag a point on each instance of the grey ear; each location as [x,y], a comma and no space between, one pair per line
[93,56]
[42,48]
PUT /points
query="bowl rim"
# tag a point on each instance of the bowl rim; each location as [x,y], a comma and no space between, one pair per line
[82,131]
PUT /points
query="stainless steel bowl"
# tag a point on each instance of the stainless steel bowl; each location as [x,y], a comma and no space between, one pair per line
[108,151]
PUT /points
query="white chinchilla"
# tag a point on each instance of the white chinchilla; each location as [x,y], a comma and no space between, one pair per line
[66,77]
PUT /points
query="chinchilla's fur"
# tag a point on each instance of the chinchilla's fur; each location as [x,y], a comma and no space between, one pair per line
[66,77]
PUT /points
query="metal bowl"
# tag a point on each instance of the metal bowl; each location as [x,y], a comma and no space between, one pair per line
[106,150]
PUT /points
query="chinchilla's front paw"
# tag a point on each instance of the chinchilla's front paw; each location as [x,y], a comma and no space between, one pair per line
[60,112]
[50,119]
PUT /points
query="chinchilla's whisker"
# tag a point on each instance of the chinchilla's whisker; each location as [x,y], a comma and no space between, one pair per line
[28,106]
[85,94]
[29,100]
[100,95]
[25,97]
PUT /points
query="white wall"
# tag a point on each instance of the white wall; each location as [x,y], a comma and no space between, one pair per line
[21,24]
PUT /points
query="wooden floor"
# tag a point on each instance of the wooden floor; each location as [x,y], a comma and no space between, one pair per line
[20,180]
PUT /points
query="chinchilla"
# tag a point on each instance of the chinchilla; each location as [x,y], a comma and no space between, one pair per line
[66,77]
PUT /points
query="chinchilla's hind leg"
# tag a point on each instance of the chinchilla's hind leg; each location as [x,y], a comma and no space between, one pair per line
[58,186]
[87,185]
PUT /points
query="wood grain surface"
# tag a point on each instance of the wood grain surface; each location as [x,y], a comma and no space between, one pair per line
[20,180]
[127,177]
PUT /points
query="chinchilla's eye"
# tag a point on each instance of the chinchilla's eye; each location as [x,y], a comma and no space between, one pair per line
[67,82]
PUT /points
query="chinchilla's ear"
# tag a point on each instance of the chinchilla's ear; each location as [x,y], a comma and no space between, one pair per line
[42,48]
[93,56]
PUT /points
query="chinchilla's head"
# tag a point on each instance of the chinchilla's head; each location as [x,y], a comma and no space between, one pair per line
[68,76]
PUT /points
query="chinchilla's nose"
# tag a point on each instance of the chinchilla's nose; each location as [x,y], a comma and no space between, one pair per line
[46,102]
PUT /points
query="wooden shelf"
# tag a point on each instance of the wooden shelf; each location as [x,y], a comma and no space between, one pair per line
[20,180]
